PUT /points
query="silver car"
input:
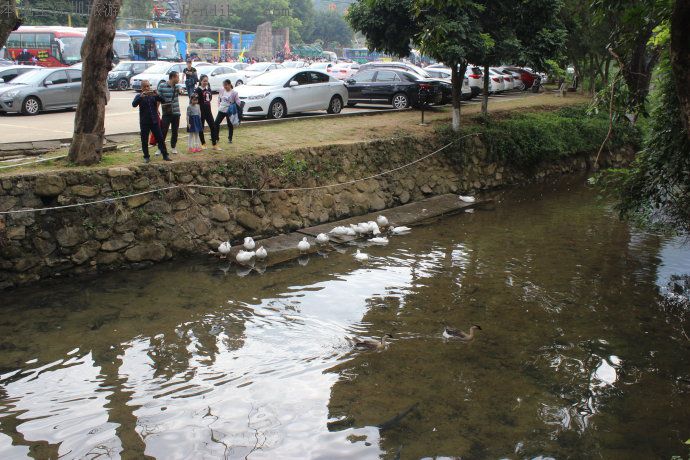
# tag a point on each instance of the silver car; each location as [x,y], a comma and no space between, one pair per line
[40,90]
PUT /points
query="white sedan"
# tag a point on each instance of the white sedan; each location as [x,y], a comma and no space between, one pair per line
[259,68]
[217,74]
[277,93]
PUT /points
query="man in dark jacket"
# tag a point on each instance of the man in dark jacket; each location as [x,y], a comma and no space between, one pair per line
[171,108]
[148,101]
[191,78]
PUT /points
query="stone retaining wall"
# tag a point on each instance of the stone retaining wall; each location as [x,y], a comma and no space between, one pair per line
[153,227]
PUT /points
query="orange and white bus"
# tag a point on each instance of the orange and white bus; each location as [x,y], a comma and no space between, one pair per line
[48,46]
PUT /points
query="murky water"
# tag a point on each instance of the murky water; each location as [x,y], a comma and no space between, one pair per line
[575,358]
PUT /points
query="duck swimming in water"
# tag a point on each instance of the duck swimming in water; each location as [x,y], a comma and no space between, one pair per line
[457,334]
[369,344]
[303,245]
[224,249]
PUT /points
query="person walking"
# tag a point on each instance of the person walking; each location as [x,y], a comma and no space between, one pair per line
[171,108]
[148,101]
[194,125]
[228,105]
[205,96]
[191,78]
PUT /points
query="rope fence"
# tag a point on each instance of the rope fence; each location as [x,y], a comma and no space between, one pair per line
[234,189]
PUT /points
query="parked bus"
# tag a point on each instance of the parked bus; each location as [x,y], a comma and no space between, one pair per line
[148,46]
[48,46]
[361,55]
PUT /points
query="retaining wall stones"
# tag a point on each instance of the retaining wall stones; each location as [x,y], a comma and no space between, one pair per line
[149,228]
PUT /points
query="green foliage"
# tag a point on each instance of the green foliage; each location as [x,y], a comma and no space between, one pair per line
[388,25]
[658,185]
[291,168]
[525,140]
[330,28]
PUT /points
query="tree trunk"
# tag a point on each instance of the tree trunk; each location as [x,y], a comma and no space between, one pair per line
[637,73]
[456,91]
[97,58]
[607,70]
[9,20]
[485,93]
[592,75]
[680,58]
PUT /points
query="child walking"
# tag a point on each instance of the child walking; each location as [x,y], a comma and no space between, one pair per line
[194,125]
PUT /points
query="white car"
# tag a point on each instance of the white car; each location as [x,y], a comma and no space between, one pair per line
[498,82]
[237,65]
[157,74]
[283,91]
[323,66]
[294,64]
[217,74]
[345,71]
[259,68]
[446,74]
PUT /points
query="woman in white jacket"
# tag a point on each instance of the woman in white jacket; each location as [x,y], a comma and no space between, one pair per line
[228,105]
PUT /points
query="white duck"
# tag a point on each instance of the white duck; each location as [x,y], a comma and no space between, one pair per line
[382,221]
[467,199]
[243,257]
[400,230]
[224,249]
[379,240]
[261,253]
[339,231]
[322,238]
[249,243]
[361,257]
[374,228]
[303,245]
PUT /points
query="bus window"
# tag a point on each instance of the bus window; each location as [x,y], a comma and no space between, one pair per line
[43,41]
[14,40]
[28,40]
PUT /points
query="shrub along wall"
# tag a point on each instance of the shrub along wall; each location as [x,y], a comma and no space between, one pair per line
[150,227]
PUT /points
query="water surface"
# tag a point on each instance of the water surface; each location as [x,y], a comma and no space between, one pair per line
[576,357]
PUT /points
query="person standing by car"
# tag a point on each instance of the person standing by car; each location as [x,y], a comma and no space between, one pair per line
[228,105]
[148,101]
[205,96]
[171,108]
[191,78]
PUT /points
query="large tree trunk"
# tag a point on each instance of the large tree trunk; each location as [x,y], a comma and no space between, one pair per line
[485,92]
[9,20]
[456,92]
[637,73]
[97,58]
[680,57]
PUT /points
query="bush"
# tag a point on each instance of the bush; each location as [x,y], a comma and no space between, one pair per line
[525,140]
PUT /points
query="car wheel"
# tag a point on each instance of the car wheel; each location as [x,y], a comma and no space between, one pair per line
[400,101]
[239,82]
[122,84]
[277,110]
[336,105]
[31,106]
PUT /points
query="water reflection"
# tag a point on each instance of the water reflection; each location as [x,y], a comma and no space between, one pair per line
[193,361]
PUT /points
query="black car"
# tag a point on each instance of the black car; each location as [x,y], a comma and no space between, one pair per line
[119,77]
[446,87]
[397,87]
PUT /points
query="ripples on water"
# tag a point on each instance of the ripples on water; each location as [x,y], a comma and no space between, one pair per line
[189,360]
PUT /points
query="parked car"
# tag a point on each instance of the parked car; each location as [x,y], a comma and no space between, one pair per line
[323,66]
[508,79]
[526,76]
[475,77]
[446,87]
[294,64]
[217,74]
[282,91]
[5,62]
[446,74]
[157,74]
[259,68]
[399,88]
[41,90]
[345,70]
[498,79]
[119,77]
[8,73]
[237,65]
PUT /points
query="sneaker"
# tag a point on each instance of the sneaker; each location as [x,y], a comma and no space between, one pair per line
[230,141]
[203,146]
[147,160]
[167,159]
[217,148]
[158,152]
[174,151]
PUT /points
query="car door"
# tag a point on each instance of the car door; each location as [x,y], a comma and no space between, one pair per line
[55,91]
[320,94]
[74,86]
[298,96]
[386,84]
[358,84]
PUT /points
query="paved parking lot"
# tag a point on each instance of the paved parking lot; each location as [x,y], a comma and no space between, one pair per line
[122,118]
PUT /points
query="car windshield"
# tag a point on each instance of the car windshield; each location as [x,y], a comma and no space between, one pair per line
[270,79]
[258,67]
[419,71]
[33,77]
[70,47]
[158,68]
[123,66]
[167,48]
